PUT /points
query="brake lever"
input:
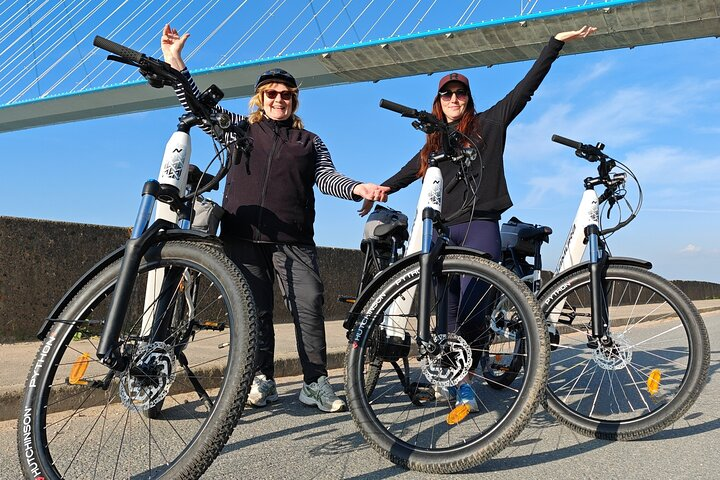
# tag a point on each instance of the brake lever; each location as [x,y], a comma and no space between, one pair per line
[116,58]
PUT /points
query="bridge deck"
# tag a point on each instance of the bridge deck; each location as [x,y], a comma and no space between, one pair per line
[626,24]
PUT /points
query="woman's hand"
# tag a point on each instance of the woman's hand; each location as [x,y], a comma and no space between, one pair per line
[366,207]
[172,43]
[371,193]
[575,34]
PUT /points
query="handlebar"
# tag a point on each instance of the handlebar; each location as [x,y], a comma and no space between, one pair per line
[397,108]
[614,184]
[161,74]
[119,50]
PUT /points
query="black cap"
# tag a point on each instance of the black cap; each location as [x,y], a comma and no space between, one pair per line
[276,75]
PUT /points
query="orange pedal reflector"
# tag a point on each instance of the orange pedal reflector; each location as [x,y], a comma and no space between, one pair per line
[78,370]
[458,413]
[653,382]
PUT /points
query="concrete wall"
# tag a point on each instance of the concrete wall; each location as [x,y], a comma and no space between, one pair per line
[40,260]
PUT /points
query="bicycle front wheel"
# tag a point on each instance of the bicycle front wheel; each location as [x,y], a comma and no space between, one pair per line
[647,372]
[188,340]
[406,417]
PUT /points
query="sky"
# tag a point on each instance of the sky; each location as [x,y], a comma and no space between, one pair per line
[654,107]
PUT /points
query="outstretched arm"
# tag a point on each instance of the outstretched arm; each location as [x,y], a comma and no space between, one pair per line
[575,34]
[172,43]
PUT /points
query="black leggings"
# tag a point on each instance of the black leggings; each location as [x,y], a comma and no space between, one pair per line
[468,303]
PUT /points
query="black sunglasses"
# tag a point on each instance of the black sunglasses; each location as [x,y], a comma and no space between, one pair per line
[271,94]
[459,93]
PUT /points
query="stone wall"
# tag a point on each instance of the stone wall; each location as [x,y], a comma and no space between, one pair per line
[40,260]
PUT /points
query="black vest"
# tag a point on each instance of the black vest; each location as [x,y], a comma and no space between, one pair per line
[269,195]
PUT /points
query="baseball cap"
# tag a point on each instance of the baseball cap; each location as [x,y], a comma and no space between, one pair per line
[276,75]
[454,77]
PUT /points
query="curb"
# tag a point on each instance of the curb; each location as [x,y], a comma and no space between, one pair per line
[287,365]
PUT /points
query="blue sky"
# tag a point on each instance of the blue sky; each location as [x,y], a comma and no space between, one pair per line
[655,107]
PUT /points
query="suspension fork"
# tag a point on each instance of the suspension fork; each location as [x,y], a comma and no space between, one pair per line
[428,258]
[107,346]
[598,286]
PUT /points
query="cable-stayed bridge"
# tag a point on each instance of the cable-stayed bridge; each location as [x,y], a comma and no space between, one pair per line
[50,73]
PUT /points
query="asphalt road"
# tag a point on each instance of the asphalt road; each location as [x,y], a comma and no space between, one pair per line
[290,441]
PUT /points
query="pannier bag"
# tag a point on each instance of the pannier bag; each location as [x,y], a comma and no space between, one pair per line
[206,215]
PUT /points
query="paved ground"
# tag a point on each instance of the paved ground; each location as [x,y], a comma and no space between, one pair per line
[15,359]
[289,440]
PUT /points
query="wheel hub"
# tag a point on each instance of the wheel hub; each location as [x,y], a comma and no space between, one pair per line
[614,355]
[148,381]
[449,366]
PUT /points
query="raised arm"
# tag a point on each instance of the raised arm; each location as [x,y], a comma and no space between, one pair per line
[575,34]
[172,43]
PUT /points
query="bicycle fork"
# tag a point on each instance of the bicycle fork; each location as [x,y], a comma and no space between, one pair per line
[599,315]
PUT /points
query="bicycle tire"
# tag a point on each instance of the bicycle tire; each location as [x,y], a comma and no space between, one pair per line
[438,447]
[80,419]
[652,374]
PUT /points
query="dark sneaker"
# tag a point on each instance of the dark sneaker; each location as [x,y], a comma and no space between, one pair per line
[320,394]
[262,391]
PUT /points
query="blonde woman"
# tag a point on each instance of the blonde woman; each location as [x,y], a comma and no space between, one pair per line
[267,228]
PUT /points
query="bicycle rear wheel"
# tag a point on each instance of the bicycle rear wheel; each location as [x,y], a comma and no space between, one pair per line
[402,418]
[188,338]
[649,371]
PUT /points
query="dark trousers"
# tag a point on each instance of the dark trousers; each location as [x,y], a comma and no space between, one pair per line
[296,269]
[469,303]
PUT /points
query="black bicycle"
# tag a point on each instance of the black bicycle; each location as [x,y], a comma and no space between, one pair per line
[630,352]
[412,334]
[147,360]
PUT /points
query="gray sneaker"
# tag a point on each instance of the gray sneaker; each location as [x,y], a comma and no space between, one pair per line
[262,391]
[320,394]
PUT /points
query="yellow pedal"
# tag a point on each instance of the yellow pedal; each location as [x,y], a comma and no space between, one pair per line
[78,370]
[458,413]
[653,382]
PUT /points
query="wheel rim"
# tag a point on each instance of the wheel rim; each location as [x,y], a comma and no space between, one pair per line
[128,427]
[637,373]
[421,427]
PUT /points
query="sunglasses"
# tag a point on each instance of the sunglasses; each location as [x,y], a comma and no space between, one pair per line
[271,94]
[447,94]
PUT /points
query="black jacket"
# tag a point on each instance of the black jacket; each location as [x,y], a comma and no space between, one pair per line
[492,197]
[269,196]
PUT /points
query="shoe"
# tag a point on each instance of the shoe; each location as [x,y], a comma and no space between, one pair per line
[320,394]
[466,395]
[445,393]
[262,391]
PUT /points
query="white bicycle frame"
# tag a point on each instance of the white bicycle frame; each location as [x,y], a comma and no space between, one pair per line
[173,171]
[430,196]
[588,213]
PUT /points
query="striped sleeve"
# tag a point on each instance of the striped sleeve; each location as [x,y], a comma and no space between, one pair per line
[329,180]
[229,137]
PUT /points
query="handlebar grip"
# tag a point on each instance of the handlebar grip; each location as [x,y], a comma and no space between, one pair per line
[396,107]
[567,142]
[117,49]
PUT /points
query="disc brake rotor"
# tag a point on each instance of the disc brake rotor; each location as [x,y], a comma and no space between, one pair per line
[614,357]
[451,365]
[139,392]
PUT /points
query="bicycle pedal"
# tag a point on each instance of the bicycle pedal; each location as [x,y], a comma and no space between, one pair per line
[653,382]
[207,325]
[78,370]
[346,299]
[458,414]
